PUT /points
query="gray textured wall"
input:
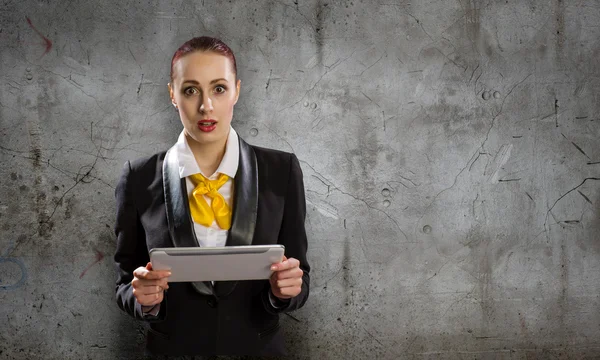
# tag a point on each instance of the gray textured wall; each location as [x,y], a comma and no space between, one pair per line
[450,149]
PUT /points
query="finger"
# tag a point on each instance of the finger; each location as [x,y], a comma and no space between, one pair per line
[286,264]
[274,267]
[148,300]
[164,283]
[138,283]
[290,273]
[289,283]
[273,280]
[290,291]
[148,290]
[139,272]
[157,301]
[162,273]
[151,275]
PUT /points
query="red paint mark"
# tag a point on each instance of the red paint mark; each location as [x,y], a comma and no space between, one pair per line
[99,257]
[524,330]
[48,42]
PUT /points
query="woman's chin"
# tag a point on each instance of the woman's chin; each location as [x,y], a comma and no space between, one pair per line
[203,137]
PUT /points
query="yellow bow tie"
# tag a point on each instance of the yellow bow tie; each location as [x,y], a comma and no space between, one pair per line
[201,212]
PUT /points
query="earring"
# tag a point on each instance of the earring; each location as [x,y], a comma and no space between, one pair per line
[176,108]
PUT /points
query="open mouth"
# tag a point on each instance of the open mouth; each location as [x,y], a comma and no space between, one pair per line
[207,125]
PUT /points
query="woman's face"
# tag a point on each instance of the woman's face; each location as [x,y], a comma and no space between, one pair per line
[204,90]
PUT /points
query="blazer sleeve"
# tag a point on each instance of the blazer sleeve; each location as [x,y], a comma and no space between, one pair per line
[293,236]
[131,251]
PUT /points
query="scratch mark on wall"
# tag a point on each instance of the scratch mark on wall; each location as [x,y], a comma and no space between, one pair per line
[280,137]
[571,221]
[385,53]
[474,161]
[133,56]
[316,83]
[556,111]
[565,194]
[373,337]
[361,200]
[473,205]
[529,196]
[576,146]
[371,100]
[585,197]
[269,79]
[500,159]
[140,85]
[406,179]
[501,108]
[421,25]
[324,183]
[473,73]
[325,210]
[438,271]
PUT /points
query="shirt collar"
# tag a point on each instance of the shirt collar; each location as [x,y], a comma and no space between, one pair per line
[188,165]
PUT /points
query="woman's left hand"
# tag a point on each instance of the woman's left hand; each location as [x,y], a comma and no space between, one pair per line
[286,281]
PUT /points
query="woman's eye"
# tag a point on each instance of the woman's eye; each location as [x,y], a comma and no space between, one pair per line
[190,91]
[220,89]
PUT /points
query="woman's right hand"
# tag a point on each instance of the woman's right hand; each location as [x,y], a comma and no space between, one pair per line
[149,285]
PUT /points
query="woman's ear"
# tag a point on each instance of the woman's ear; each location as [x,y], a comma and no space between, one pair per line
[237,91]
[171,95]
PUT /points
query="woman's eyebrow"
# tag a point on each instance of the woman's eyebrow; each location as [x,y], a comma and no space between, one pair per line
[197,83]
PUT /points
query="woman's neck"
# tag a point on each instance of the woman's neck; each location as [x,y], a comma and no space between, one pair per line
[208,156]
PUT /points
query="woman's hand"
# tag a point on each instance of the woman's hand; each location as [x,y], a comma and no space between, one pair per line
[149,285]
[286,281]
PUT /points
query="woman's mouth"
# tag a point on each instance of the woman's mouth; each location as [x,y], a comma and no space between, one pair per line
[207,125]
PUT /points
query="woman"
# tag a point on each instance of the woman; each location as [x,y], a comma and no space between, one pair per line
[210,189]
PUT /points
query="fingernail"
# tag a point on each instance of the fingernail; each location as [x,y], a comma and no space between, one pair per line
[169,273]
[273,267]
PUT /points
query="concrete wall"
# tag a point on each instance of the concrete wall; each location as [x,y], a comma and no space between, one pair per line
[450,149]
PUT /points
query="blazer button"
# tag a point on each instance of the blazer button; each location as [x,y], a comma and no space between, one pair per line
[212,302]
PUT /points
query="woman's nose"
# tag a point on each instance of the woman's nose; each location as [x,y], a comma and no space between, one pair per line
[206,104]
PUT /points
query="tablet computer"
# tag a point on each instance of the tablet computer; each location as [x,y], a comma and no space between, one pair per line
[252,262]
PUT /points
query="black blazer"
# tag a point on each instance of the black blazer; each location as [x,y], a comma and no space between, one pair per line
[229,318]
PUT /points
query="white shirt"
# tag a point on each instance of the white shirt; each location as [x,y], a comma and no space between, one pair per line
[210,236]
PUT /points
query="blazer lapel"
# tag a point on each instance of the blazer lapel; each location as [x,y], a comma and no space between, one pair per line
[245,203]
[245,208]
[178,214]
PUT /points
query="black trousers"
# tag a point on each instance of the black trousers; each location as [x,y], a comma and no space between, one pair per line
[276,343]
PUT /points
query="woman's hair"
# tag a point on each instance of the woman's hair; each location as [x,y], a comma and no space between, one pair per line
[204,43]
